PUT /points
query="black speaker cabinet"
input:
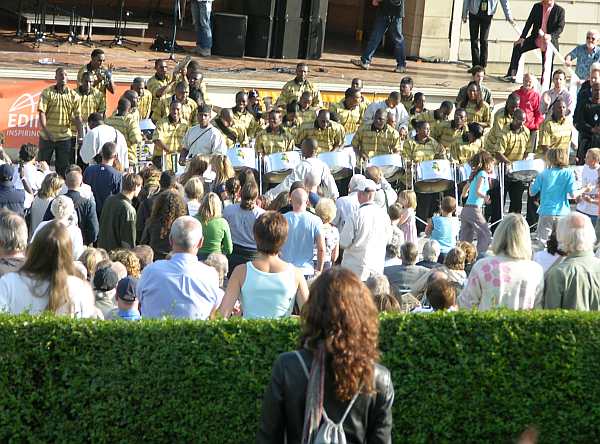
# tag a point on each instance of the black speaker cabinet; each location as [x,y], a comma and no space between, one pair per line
[287,38]
[229,34]
[289,9]
[315,9]
[315,37]
[258,40]
[264,8]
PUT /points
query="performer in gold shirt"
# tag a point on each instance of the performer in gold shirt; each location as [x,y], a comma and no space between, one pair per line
[377,138]
[232,133]
[189,107]
[348,110]
[293,89]
[556,132]
[328,134]
[449,132]
[101,76]
[168,137]
[144,97]
[275,138]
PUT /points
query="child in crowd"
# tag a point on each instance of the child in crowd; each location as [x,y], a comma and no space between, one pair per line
[223,170]
[231,194]
[407,199]
[587,203]
[127,302]
[104,283]
[444,228]
[326,210]
[555,185]
[395,213]
[193,192]
[472,220]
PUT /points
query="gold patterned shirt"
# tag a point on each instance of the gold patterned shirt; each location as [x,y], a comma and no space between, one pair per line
[60,109]
[269,142]
[369,141]
[247,121]
[189,109]
[421,151]
[556,134]
[129,126]
[408,101]
[463,152]
[501,121]
[483,115]
[171,134]
[446,134]
[94,102]
[153,86]
[513,145]
[350,119]
[145,104]
[94,75]
[292,90]
[327,139]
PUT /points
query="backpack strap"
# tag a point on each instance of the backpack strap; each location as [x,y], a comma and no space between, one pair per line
[302,363]
[348,408]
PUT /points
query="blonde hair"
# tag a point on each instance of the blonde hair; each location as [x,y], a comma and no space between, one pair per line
[194,188]
[594,154]
[558,157]
[51,186]
[221,166]
[90,258]
[129,260]
[512,238]
[210,208]
[408,196]
[326,210]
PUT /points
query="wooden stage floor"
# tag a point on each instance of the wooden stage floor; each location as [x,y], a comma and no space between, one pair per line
[333,68]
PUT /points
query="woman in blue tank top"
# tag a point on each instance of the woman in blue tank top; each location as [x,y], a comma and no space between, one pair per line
[267,287]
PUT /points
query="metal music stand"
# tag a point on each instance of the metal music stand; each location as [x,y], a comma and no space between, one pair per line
[38,34]
[172,46]
[121,25]
[75,21]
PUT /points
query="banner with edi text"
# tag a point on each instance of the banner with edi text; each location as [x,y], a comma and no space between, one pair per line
[18,108]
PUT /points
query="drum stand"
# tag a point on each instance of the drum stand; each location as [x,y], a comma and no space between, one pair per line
[501,171]
[260,174]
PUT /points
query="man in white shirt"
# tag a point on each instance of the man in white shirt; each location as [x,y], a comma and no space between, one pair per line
[311,164]
[202,138]
[97,136]
[393,106]
[365,236]
[347,206]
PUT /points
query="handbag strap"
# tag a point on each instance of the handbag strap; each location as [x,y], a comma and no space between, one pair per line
[302,363]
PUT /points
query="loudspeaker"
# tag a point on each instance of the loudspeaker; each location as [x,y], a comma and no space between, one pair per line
[315,37]
[315,9]
[264,8]
[290,9]
[229,34]
[286,38]
[258,40]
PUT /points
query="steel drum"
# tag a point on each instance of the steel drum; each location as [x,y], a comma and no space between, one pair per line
[391,165]
[341,163]
[243,158]
[279,165]
[434,176]
[527,170]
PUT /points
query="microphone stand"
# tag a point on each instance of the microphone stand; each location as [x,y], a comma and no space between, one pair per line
[120,26]
[172,46]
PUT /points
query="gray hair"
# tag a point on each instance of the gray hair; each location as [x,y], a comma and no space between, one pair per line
[186,232]
[13,232]
[594,67]
[431,250]
[575,233]
[378,284]
[355,181]
[512,238]
[219,262]
[62,207]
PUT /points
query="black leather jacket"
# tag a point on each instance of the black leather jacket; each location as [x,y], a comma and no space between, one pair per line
[369,421]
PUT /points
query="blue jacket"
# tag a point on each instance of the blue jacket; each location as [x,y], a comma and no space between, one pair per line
[472,6]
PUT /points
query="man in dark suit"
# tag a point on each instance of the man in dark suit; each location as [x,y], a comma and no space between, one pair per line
[545,16]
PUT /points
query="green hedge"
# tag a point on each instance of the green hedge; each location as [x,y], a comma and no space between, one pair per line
[462,377]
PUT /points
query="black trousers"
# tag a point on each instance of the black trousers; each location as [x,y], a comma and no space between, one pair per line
[479,28]
[518,51]
[61,150]
[514,189]
[427,204]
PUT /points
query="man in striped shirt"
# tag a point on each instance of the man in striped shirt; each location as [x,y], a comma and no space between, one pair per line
[58,107]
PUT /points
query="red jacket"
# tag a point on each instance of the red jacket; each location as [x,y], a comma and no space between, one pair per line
[530,103]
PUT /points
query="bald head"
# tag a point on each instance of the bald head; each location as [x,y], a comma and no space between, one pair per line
[299,198]
[309,147]
[575,233]
[577,220]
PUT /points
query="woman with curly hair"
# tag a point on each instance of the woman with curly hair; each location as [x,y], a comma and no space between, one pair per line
[168,206]
[334,375]
[130,260]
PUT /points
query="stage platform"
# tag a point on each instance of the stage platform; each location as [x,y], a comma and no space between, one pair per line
[25,70]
